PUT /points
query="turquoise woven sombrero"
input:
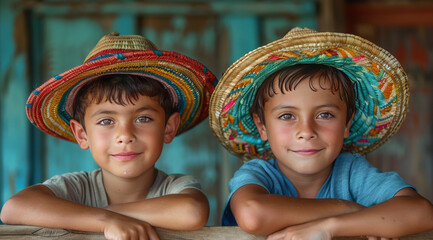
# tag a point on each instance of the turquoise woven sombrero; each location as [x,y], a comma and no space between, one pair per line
[382,89]
[189,82]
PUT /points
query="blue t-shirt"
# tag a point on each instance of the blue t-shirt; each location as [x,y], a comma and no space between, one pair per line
[352,178]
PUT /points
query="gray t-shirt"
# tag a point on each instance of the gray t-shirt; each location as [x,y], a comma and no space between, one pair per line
[88,188]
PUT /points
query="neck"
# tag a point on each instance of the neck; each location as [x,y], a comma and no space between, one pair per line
[123,190]
[308,188]
[307,185]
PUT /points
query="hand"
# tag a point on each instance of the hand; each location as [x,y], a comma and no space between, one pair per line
[315,230]
[122,227]
[380,238]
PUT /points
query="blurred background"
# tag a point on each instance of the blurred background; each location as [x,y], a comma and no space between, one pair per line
[39,39]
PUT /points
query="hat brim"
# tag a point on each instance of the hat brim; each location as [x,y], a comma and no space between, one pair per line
[193,83]
[382,96]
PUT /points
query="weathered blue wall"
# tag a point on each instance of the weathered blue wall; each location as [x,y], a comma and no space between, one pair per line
[14,129]
[40,39]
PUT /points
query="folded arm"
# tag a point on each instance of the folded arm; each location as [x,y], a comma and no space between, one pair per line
[37,205]
[406,213]
[258,212]
[188,210]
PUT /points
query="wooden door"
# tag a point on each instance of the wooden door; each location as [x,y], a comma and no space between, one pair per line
[406,31]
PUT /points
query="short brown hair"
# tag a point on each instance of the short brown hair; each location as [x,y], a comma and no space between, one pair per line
[288,78]
[121,89]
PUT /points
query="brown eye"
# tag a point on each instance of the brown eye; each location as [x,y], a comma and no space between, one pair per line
[143,119]
[325,115]
[286,116]
[106,122]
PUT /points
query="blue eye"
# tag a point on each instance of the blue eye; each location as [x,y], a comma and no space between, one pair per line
[286,116]
[325,115]
[143,119]
[105,122]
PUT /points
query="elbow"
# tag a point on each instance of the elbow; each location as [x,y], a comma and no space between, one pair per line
[196,213]
[420,217]
[197,218]
[250,218]
[427,218]
[6,214]
[3,215]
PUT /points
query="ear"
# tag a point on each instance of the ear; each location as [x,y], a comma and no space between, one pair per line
[260,126]
[347,128]
[171,127]
[79,134]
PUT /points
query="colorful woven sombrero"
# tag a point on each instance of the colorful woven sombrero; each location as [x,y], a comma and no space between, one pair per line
[188,81]
[381,86]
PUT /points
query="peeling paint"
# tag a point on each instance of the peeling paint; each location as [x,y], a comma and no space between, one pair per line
[21,43]
[11,183]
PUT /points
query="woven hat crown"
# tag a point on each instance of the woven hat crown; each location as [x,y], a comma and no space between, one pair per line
[298,31]
[122,42]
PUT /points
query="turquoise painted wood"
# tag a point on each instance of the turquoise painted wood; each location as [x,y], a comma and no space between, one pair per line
[66,43]
[14,86]
[51,38]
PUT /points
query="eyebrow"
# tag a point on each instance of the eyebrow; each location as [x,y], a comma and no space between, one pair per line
[144,108]
[282,106]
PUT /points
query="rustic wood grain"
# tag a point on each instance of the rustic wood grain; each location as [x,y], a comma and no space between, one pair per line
[214,233]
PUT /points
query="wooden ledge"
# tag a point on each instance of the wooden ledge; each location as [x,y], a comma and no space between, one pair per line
[215,233]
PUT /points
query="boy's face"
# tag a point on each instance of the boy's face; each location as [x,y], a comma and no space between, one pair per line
[126,141]
[305,129]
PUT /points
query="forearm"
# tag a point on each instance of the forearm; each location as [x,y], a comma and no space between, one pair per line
[396,217]
[38,206]
[299,210]
[264,213]
[184,211]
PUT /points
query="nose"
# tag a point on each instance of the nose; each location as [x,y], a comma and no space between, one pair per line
[306,129]
[125,134]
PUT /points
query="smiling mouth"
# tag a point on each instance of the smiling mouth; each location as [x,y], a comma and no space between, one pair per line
[307,152]
[125,156]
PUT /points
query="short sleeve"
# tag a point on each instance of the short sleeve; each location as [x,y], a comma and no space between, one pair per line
[81,187]
[176,183]
[172,184]
[370,186]
[252,172]
[258,172]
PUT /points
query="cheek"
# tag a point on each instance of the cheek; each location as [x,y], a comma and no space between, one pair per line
[334,134]
[152,136]
[99,139]
[280,133]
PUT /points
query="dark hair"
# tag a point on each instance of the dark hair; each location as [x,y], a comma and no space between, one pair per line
[288,78]
[121,89]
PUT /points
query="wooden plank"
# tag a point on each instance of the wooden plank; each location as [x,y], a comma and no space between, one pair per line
[405,30]
[35,136]
[32,232]
[169,8]
[213,233]
[14,126]
[384,14]
[65,44]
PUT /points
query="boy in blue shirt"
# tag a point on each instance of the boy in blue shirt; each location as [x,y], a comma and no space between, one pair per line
[305,108]
[123,103]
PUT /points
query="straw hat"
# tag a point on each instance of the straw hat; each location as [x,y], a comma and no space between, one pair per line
[188,82]
[382,89]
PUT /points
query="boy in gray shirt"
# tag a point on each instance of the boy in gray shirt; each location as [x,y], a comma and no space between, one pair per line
[123,103]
